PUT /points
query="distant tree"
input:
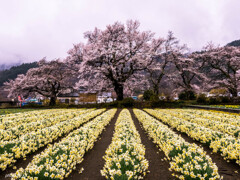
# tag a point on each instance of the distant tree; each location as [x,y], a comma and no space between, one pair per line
[223,67]
[186,73]
[113,55]
[75,57]
[161,52]
[49,80]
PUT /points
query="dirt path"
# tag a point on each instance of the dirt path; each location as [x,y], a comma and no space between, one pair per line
[93,160]
[225,169]
[23,163]
[158,168]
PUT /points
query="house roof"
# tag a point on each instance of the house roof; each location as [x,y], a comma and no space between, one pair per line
[69,95]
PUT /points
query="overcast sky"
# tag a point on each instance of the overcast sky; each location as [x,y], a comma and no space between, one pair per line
[32,29]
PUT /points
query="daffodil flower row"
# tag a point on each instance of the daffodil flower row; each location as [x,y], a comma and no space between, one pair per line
[227,106]
[125,155]
[206,122]
[228,145]
[10,112]
[188,160]
[12,120]
[223,117]
[58,160]
[10,151]
[23,128]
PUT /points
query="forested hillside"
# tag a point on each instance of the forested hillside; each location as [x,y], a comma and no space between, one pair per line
[234,43]
[12,73]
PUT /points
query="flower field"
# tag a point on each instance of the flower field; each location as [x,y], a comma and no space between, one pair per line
[125,155]
[189,160]
[57,161]
[226,106]
[30,142]
[203,131]
[54,143]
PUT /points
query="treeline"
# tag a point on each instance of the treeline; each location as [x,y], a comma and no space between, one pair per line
[123,59]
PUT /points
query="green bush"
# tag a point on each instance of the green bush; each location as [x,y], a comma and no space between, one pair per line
[148,94]
[202,99]
[154,97]
[187,95]
[155,104]
[32,105]
[126,102]
[225,99]
[214,100]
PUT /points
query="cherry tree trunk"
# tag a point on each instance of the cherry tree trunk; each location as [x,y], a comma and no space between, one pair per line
[53,101]
[156,89]
[234,92]
[119,91]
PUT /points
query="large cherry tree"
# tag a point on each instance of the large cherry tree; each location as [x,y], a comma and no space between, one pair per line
[113,55]
[49,80]
[222,66]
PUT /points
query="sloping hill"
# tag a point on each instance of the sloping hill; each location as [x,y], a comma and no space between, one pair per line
[234,43]
[12,73]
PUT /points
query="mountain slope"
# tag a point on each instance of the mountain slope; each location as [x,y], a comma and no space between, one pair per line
[234,43]
[12,73]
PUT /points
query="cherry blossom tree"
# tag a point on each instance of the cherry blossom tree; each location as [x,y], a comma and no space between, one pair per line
[49,80]
[161,51]
[222,66]
[113,55]
[187,75]
[75,57]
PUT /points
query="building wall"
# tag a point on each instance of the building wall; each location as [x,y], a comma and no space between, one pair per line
[88,97]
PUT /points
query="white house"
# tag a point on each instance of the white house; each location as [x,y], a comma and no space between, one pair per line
[105,97]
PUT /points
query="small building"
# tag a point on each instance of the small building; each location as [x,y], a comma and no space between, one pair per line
[106,97]
[77,98]
[220,92]
[4,99]
[69,98]
[87,98]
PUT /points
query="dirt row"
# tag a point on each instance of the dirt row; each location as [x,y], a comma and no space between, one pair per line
[158,167]
[93,160]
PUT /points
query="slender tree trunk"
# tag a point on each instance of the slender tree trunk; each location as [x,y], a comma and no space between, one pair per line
[119,91]
[156,89]
[52,101]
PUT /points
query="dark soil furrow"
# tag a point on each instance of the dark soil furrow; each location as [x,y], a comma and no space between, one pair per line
[226,169]
[93,160]
[158,167]
[23,163]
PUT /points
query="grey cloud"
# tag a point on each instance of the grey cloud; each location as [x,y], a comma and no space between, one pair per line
[32,29]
